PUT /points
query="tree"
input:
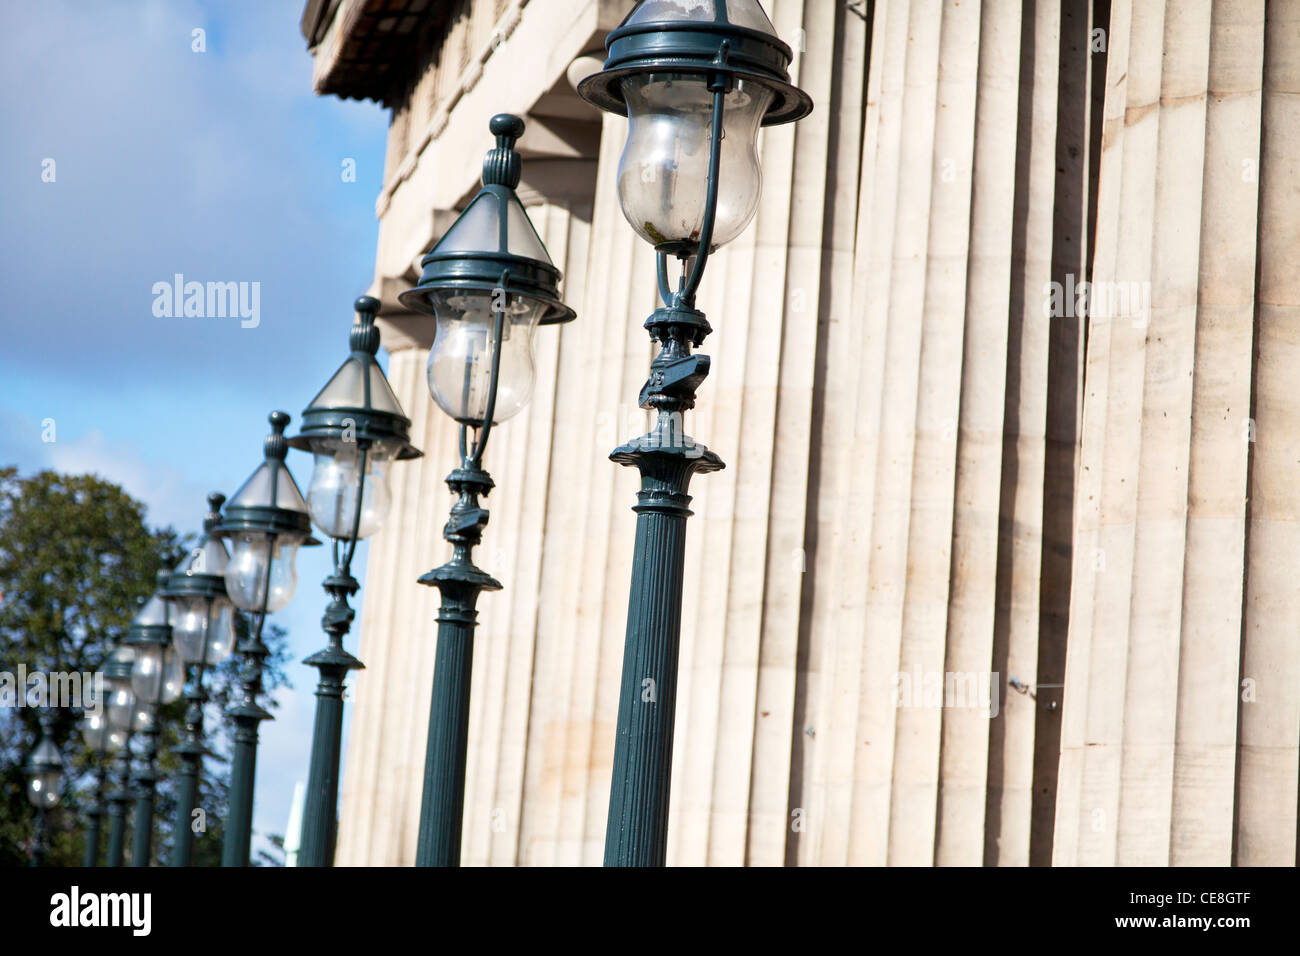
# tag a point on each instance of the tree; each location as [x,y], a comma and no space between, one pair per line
[76,558]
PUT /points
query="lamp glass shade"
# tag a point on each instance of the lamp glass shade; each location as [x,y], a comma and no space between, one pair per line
[271,485]
[460,361]
[158,675]
[332,494]
[45,773]
[480,228]
[347,389]
[126,714]
[119,704]
[740,13]
[209,556]
[154,613]
[664,171]
[261,574]
[99,733]
[203,629]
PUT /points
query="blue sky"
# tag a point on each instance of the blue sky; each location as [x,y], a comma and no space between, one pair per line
[223,166]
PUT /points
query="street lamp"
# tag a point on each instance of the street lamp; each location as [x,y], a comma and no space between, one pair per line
[266,522]
[103,740]
[44,774]
[125,717]
[157,678]
[696,79]
[203,633]
[355,428]
[489,282]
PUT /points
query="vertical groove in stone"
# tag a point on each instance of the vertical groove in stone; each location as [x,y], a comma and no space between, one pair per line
[962,766]
[1270,658]
[867,811]
[1160,516]
[847,407]
[1013,643]
[817,289]
[926,492]
[1099,606]
[1204,755]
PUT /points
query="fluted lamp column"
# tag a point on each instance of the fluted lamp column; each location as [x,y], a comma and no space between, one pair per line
[696,85]
[489,282]
[203,632]
[157,678]
[355,428]
[266,522]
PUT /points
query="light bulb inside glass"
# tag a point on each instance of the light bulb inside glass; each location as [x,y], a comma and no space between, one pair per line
[201,632]
[43,789]
[332,497]
[460,361]
[100,734]
[247,577]
[120,707]
[158,675]
[664,172]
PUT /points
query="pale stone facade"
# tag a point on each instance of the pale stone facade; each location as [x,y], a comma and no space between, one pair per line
[930,470]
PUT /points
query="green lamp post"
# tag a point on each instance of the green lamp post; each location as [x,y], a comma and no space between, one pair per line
[489,282]
[203,634]
[125,717]
[103,740]
[157,678]
[355,428]
[696,80]
[44,775]
[266,522]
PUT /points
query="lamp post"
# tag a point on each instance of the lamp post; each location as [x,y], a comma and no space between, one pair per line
[157,678]
[355,428]
[267,522]
[489,282]
[696,82]
[103,740]
[124,717]
[203,634]
[44,774]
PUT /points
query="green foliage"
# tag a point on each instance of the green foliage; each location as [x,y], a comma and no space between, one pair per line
[76,558]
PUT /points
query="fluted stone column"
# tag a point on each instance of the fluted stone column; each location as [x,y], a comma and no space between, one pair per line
[1182,700]
[939,398]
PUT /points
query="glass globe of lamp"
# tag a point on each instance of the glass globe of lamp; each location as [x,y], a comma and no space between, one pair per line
[266,522]
[157,673]
[202,614]
[44,774]
[355,428]
[694,78]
